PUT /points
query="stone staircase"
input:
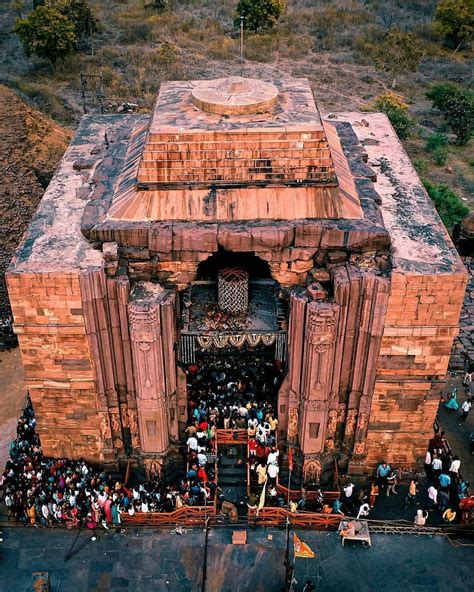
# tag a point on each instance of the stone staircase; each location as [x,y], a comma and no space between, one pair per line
[233,479]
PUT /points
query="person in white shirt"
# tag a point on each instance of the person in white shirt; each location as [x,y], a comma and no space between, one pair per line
[348,490]
[192,443]
[466,407]
[273,457]
[420,518]
[272,472]
[433,495]
[436,465]
[455,464]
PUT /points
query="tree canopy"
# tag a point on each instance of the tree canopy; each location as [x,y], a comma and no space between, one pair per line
[455,20]
[259,14]
[397,53]
[46,33]
[457,107]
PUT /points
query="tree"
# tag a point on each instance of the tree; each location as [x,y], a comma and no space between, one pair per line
[455,20]
[440,92]
[457,107]
[396,110]
[259,14]
[459,114]
[397,53]
[158,5]
[46,33]
[77,12]
[450,208]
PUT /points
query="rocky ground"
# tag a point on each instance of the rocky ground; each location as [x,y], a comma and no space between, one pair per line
[463,347]
[31,146]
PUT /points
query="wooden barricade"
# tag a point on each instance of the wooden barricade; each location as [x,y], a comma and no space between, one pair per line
[237,436]
[295,494]
[278,517]
[185,516]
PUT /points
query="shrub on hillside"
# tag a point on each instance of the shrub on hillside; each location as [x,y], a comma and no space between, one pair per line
[448,204]
[455,20]
[259,14]
[399,52]
[396,110]
[46,33]
[437,145]
[457,107]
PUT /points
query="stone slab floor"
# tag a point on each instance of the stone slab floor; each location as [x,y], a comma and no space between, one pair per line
[157,561]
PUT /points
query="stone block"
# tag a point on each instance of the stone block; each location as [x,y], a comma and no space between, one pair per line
[308,234]
[160,238]
[195,237]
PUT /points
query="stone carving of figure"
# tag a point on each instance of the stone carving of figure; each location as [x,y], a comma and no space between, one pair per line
[332,421]
[362,421]
[293,425]
[153,468]
[105,426]
[132,414]
[350,422]
[124,415]
[118,443]
[341,410]
[115,421]
[321,328]
[312,471]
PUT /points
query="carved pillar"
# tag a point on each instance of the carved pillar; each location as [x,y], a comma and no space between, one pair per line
[375,293]
[149,365]
[318,360]
[298,301]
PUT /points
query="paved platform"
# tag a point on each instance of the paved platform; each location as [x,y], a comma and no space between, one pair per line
[157,561]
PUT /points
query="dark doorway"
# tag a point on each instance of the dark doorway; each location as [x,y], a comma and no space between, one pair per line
[257,268]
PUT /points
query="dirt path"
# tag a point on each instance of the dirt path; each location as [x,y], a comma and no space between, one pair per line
[12,399]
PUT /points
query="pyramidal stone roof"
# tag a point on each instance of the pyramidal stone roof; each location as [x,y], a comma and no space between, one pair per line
[235,131]
[276,161]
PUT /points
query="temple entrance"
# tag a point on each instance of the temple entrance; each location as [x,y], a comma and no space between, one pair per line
[233,343]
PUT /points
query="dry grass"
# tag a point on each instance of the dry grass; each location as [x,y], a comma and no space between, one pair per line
[329,41]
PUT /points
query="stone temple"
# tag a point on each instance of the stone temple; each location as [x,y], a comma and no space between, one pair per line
[237,193]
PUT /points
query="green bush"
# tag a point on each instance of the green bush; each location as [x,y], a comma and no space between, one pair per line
[259,14]
[46,33]
[437,145]
[440,155]
[396,110]
[440,92]
[435,141]
[455,20]
[421,166]
[448,204]
[457,107]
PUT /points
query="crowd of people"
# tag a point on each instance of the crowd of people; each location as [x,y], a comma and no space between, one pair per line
[43,491]
[8,339]
[229,396]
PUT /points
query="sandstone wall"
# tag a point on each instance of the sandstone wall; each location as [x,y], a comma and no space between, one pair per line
[420,325]
[59,373]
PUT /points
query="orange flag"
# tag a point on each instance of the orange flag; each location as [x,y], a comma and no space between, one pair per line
[290,459]
[301,549]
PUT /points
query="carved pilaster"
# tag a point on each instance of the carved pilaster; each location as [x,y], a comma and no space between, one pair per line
[321,327]
[149,366]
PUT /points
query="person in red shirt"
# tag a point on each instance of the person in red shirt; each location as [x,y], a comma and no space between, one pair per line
[252,447]
[202,476]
